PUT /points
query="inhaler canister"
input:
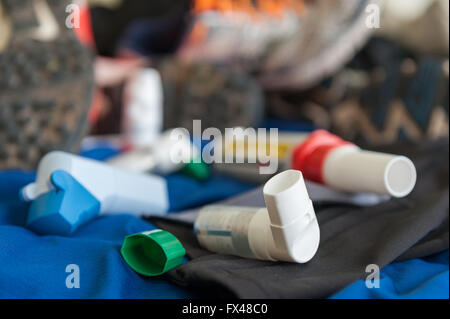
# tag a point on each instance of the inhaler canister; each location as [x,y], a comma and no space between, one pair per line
[327,159]
[225,229]
[287,230]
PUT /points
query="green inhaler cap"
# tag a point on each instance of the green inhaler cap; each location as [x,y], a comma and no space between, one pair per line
[196,169]
[152,253]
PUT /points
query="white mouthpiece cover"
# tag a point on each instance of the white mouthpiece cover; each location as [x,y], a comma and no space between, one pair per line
[295,230]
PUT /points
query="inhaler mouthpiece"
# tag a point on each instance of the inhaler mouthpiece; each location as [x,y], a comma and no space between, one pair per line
[287,230]
[329,160]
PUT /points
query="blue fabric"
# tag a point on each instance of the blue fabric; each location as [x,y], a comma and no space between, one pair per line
[33,266]
[412,279]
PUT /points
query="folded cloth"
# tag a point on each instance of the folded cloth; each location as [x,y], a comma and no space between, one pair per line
[351,238]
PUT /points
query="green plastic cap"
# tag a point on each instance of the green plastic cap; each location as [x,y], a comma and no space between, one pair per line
[196,169]
[152,253]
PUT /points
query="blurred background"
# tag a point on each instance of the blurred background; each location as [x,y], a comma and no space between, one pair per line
[81,73]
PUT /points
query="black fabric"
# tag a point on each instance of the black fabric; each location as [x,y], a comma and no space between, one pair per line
[351,238]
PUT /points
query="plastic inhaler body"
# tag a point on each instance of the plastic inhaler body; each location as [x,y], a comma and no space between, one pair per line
[154,157]
[70,190]
[157,157]
[329,160]
[287,230]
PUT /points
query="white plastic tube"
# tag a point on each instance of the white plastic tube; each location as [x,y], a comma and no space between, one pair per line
[117,190]
[156,158]
[287,230]
[327,159]
[143,114]
[351,169]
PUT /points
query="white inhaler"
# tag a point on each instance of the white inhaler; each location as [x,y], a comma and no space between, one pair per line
[143,112]
[70,190]
[287,230]
[327,159]
[157,156]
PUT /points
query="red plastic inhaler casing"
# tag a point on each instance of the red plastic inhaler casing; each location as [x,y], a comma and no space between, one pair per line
[309,157]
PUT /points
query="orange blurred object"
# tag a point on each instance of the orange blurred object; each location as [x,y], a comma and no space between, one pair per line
[271,7]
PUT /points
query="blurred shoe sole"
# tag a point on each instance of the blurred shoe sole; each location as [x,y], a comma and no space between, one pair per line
[330,35]
[46,82]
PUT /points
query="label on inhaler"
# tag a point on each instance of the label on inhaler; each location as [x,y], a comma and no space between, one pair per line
[224,230]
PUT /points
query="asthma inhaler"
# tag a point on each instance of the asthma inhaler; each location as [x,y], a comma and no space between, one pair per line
[154,157]
[287,230]
[157,157]
[327,159]
[70,190]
